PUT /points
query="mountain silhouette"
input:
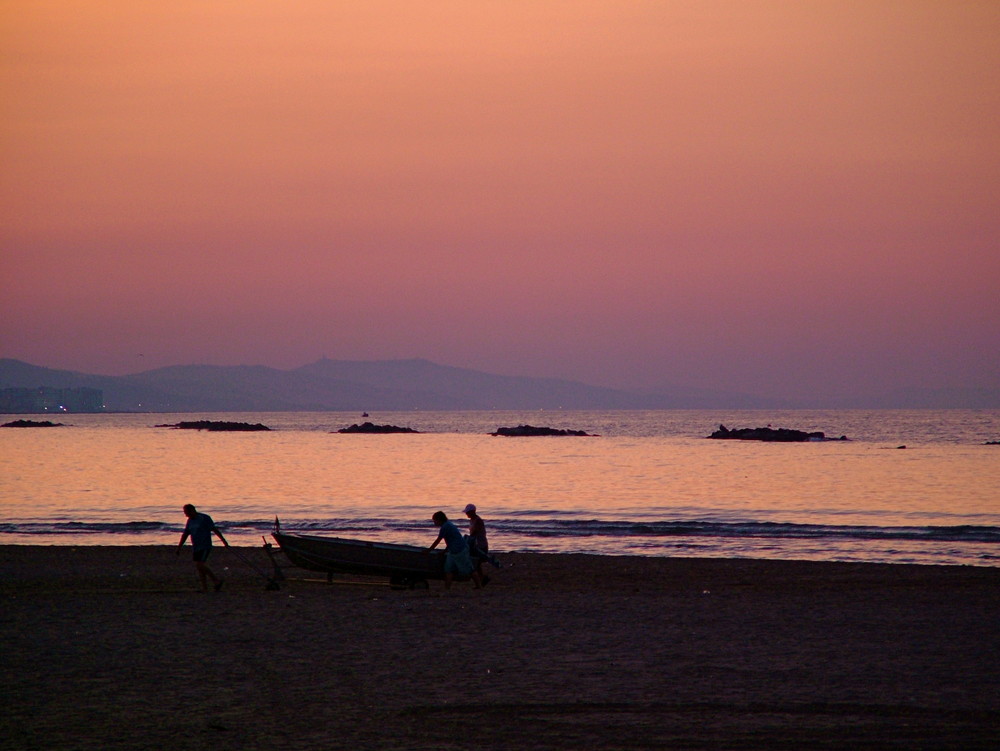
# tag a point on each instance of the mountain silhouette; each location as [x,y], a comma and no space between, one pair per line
[351,385]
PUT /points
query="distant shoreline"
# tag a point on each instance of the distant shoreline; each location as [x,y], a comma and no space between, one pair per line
[401,385]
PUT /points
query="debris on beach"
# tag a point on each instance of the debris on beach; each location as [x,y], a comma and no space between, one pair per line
[370,427]
[768,433]
[530,430]
[32,424]
[215,425]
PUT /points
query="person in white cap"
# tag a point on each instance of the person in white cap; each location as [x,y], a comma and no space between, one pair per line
[479,547]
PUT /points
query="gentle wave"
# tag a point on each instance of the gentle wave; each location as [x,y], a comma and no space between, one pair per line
[774,530]
[86,528]
[548,528]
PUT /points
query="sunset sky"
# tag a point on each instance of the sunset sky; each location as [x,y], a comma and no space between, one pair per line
[787,198]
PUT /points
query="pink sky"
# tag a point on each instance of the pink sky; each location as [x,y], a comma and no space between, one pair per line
[785,198]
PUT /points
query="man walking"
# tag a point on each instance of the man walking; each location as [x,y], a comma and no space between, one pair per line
[200,528]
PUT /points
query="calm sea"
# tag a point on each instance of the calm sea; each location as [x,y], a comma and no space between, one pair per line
[649,484]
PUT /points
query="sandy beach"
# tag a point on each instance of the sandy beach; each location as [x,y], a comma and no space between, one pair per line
[115,648]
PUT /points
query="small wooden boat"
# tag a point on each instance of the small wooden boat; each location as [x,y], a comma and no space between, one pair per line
[405,565]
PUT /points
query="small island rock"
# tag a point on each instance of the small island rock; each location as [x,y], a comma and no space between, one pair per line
[32,424]
[786,435]
[531,430]
[215,425]
[369,427]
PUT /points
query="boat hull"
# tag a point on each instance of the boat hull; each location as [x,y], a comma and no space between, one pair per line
[339,555]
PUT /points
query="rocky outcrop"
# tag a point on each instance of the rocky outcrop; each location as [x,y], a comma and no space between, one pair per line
[32,424]
[216,425]
[785,435]
[530,430]
[369,427]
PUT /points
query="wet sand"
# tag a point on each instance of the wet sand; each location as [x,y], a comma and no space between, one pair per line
[115,648]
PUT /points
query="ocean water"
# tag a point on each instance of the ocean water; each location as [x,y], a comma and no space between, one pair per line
[649,483]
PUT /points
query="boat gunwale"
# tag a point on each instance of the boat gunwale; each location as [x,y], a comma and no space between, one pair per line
[357,542]
[321,561]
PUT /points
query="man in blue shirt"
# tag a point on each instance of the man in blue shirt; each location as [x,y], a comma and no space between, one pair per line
[457,560]
[200,528]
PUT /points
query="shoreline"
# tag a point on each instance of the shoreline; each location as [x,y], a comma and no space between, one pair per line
[242,542]
[114,647]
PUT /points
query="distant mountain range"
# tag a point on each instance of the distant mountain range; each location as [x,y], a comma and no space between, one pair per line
[397,385]
[343,385]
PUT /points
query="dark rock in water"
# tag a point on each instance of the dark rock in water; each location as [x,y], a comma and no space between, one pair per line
[992,443]
[530,430]
[772,434]
[369,427]
[32,424]
[216,425]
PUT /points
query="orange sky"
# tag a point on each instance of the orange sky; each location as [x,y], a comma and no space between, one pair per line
[785,198]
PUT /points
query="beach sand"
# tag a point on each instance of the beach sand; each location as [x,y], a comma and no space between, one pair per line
[115,648]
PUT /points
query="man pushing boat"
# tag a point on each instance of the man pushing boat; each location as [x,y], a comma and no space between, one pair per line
[457,559]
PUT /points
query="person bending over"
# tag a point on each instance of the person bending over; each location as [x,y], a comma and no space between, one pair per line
[457,560]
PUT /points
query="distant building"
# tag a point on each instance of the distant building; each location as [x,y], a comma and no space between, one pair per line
[47,400]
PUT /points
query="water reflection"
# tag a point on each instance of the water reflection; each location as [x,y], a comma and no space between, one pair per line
[117,469]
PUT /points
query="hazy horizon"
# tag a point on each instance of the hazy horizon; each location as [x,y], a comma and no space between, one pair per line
[792,200]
